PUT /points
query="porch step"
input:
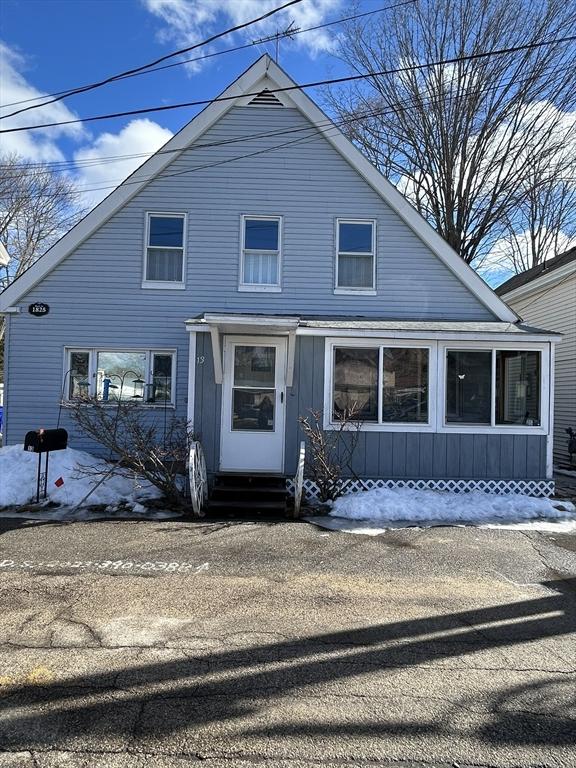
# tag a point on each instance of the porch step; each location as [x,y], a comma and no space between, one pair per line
[244,495]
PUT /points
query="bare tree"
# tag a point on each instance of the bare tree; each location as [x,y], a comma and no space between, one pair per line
[464,140]
[330,453]
[38,205]
[543,224]
[156,452]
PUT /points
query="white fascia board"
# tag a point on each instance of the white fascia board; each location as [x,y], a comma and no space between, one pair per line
[545,280]
[496,338]
[137,180]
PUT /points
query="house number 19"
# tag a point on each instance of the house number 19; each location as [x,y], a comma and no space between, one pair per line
[200,360]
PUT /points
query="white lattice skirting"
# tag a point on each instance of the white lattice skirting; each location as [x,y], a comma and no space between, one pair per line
[527,487]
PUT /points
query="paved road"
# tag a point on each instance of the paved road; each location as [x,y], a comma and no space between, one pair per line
[132,644]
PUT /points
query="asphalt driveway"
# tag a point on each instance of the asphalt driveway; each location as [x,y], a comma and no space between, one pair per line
[165,643]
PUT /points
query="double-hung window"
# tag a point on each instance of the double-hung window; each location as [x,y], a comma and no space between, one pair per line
[260,262]
[355,256]
[110,375]
[382,385]
[164,260]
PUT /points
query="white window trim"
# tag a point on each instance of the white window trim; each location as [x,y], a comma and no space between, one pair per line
[260,287]
[332,344]
[165,284]
[493,428]
[92,371]
[437,385]
[368,290]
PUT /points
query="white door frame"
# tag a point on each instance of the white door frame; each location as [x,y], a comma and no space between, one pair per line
[252,450]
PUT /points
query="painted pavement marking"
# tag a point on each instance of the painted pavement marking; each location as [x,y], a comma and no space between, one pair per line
[122,566]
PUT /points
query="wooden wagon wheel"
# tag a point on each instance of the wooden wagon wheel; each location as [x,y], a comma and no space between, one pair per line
[299,479]
[198,478]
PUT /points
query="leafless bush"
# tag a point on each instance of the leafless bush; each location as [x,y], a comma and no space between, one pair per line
[156,451]
[330,452]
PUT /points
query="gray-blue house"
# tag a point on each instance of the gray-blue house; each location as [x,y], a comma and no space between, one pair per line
[259,266]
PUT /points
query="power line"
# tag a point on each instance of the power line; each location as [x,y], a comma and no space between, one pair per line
[212,55]
[332,81]
[320,128]
[135,70]
[64,165]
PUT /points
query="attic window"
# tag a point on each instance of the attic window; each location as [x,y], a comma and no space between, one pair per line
[265,99]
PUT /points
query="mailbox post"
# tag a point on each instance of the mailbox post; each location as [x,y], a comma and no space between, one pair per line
[43,441]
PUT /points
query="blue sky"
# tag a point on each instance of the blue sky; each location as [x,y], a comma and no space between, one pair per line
[90,39]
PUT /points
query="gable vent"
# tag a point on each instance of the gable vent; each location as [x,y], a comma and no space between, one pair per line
[265,99]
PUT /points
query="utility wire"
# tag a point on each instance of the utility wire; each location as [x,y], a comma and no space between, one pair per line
[342,20]
[332,81]
[391,108]
[320,128]
[135,70]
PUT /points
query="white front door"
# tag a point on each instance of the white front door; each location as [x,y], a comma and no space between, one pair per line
[253,404]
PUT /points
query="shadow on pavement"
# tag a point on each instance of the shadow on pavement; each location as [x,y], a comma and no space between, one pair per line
[221,687]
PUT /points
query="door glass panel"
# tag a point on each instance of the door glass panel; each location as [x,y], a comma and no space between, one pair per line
[254,366]
[253,410]
[253,392]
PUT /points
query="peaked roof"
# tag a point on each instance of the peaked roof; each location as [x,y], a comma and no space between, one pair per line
[538,271]
[263,74]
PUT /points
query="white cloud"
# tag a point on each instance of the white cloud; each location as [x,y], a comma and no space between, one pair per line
[99,166]
[189,21]
[39,145]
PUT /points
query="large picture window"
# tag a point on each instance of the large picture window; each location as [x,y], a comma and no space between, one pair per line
[260,267]
[383,385]
[139,376]
[165,249]
[355,255]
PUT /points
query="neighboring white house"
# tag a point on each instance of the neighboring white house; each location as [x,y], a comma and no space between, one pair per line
[545,296]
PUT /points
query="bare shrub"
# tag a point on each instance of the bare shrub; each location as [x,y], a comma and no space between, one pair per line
[156,452]
[330,452]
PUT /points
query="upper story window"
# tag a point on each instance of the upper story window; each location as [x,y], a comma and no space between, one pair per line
[164,258]
[260,262]
[355,258]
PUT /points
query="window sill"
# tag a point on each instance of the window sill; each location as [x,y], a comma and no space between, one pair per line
[371,427]
[161,285]
[356,291]
[260,288]
[499,429]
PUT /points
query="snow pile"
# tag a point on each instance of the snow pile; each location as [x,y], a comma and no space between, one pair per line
[410,505]
[18,472]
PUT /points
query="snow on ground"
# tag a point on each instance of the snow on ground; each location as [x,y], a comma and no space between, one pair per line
[18,472]
[375,511]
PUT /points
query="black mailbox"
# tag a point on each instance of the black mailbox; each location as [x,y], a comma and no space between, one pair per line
[44,440]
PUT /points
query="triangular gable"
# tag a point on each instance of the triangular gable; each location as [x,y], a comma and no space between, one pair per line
[263,75]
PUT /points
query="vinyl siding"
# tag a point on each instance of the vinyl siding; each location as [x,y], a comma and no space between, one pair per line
[95,294]
[393,455]
[554,308]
